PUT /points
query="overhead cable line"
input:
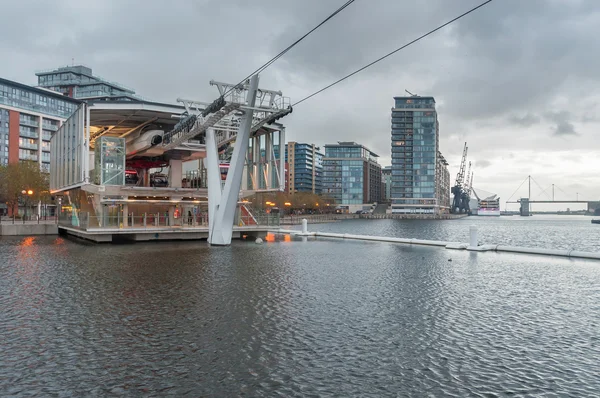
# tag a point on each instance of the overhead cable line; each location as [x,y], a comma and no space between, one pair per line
[542,191]
[517,189]
[393,52]
[560,189]
[275,58]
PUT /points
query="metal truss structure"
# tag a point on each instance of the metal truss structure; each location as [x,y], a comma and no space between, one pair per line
[269,107]
[238,114]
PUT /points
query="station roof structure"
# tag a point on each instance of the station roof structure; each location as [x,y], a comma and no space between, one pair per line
[120,118]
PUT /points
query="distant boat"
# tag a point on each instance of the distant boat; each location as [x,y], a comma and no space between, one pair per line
[595,221]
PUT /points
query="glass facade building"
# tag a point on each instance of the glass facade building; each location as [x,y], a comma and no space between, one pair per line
[386,183]
[29,117]
[418,182]
[304,168]
[351,174]
[79,82]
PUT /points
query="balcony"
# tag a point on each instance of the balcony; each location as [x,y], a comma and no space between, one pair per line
[28,122]
[51,127]
[28,157]
[46,136]
[28,134]
[28,146]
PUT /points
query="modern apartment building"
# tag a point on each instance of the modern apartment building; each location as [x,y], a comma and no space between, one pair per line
[28,118]
[386,184]
[420,178]
[78,81]
[351,174]
[443,182]
[304,168]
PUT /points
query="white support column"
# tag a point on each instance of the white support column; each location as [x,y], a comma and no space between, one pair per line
[86,160]
[175,173]
[125,215]
[268,160]
[282,160]
[40,143]
[222,224]
[245,186]
[213,176]
[255,162]
[473,236]
[275,164]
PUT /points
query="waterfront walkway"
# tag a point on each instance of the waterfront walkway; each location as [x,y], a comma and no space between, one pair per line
[18,227]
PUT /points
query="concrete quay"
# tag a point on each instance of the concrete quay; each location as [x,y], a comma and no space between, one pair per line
[20,229]
[165,233]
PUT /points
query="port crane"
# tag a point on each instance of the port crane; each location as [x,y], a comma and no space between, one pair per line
[465,197]
[460,201]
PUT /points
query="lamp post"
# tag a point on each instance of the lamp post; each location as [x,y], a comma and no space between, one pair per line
[27,194]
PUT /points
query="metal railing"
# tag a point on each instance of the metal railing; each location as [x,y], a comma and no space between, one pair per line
[29,219]
[85,221]
[51,127]
[28,134]
[316,218]
[28,122]
[28,157]
[133,221]
[27,145]
[254,220]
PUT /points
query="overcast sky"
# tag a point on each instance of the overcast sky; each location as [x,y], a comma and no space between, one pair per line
[516,79]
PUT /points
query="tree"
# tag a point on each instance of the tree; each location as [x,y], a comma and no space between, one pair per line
[297,201]
[23,176]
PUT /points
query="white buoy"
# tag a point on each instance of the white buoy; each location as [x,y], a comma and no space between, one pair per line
[304,226]
[258,241]
[473,233]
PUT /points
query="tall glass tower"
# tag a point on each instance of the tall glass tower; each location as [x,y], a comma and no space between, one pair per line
[419,172]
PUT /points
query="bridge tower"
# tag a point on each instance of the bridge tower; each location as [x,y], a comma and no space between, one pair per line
[524,209]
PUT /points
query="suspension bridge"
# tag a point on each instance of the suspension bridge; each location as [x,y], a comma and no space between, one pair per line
[593,206]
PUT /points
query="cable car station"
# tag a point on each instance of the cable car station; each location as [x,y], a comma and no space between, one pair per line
[139,170]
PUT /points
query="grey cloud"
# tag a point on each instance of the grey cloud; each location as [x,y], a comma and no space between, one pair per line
[525,121]
[563,124]
[564,128]
[482,164]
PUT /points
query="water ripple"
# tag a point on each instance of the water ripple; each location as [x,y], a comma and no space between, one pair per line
[294,319]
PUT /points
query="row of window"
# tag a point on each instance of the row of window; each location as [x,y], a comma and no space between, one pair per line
[57,77]
[339,174]
[411,113]
[411,118]
[424,122]
[348,152]
[37,102]
[413,137]
[410,195]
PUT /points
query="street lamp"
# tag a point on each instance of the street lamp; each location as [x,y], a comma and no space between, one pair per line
[27,193]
